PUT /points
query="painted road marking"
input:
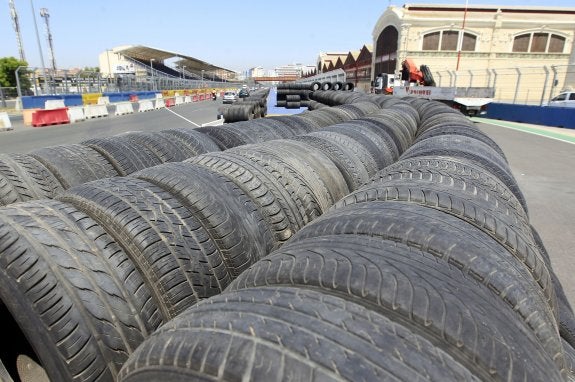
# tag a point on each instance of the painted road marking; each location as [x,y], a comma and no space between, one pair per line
[528,129]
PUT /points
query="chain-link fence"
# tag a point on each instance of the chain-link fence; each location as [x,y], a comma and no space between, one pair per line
[526,85]
[93,82]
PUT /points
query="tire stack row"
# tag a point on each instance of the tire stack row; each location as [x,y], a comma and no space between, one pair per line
[429,271]
[46,172]
[89,275]
[296,95]
[247,108]
[109,263]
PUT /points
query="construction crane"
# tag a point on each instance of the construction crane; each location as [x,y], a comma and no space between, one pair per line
[16,25]
[46,15]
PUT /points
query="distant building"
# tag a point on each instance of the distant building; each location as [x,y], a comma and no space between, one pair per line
[481,46]
[330,61]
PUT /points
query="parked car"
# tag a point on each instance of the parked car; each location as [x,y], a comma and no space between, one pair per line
[565,99]
[230,97]
[244,93]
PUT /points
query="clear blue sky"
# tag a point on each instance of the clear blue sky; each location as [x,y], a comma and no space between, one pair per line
[233,34]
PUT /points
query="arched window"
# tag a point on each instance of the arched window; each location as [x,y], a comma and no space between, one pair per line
[539,42]
[386,51]
[448,40]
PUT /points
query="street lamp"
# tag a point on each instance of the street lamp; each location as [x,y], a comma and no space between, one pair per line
[40,48]
[152,71]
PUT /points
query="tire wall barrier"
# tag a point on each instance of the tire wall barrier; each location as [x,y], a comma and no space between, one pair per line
[193,239]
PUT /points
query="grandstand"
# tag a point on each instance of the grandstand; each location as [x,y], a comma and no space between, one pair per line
[139,60]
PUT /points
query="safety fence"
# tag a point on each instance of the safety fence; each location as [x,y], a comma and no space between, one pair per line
[526,86]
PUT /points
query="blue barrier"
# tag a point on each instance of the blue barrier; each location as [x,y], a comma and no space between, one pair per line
[38,102]
[537,115]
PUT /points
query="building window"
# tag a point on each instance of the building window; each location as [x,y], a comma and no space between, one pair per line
[448,40]
[538,42]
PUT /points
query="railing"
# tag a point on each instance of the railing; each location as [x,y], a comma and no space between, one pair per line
[523,86]
[62,82]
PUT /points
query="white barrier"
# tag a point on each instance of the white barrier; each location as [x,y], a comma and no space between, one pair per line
[5,123]
[160,103]
[145,105]
[187,99]
[76,113]
[124,108]
[51,104]
[103,100]
[179,100]
[95,111]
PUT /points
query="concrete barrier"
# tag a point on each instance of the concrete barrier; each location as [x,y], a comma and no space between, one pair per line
[95,111]
[160,103]
[51,104]
[179,100]
[76,113]
[145,105]
[50,117]
[27,116]
[187,99]
[5,123]
[124,108]
[103,100]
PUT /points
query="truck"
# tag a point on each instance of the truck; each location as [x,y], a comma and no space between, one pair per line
[413,82]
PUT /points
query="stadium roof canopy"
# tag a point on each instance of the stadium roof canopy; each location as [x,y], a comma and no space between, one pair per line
[146,53]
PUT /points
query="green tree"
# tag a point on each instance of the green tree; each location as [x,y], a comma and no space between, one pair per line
[8,66]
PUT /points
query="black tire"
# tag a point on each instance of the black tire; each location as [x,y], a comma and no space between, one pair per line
[354,148]
[165,148]
[326,85]
[315,86]
[125,155]
[231,219]
[461,170]
[352,168]
[74,164]
[471,149]
[294,334]
[380,153]
[398,134]
[28,178]
[427,76]
[197,142]
[461,129]
[321,174]
[454,242]
[170,248]
[411,287]
[226,137]
[72,290]
[488,196]
[8,193]
[271,198]
[302,196]
[465,209]
[565,316]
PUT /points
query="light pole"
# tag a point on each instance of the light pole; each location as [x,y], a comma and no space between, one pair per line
[40,49]
[152,71]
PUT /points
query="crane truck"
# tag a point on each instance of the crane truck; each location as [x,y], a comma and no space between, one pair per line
[414,82]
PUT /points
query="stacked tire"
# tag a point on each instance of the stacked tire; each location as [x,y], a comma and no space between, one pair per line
[431,270]
[354,242]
